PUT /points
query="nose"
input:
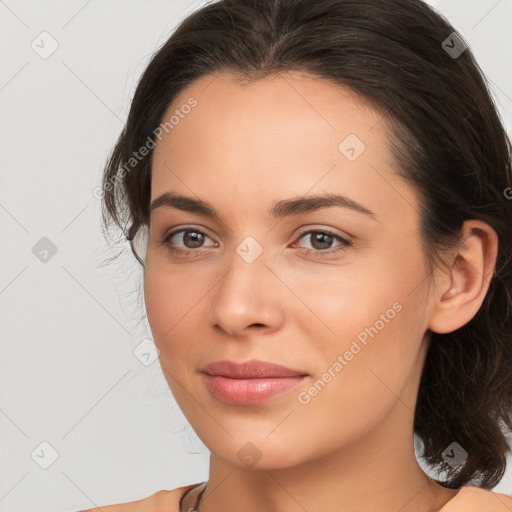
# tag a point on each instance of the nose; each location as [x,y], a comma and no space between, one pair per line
[247,298]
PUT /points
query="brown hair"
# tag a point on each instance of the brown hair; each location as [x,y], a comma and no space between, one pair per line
[449,144]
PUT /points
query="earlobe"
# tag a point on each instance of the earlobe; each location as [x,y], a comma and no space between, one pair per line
[463,290]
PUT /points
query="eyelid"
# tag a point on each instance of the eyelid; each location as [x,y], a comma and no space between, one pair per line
[323,229]
[167,237]
[344,242]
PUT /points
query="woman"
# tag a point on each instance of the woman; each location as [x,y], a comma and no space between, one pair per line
[320,194]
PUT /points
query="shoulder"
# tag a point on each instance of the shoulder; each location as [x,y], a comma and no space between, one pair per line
[476,499]
[161,501]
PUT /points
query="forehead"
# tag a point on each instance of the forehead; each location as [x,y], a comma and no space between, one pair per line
[292,103]
[282,136]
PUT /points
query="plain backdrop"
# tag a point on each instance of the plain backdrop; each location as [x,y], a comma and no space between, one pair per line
[83,421]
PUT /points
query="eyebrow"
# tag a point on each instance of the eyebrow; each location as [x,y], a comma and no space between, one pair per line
[279,209]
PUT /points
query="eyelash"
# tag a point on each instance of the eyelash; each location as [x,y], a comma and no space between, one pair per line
[344,243]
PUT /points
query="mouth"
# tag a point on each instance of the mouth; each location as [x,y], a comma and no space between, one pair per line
[250,382]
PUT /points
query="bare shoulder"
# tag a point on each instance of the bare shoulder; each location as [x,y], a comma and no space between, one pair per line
[144,504]
[161,501]
[475,499]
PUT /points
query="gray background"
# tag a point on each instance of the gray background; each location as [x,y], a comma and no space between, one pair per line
[68,373]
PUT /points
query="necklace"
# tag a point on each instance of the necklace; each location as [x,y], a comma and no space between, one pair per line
[195,508]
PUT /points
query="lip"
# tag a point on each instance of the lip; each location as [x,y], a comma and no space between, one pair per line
[249,382]
[249,369]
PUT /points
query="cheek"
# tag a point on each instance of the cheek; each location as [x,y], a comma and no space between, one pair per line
[173,303]
[173,306]
[358,382]
[332,305]
[362,334]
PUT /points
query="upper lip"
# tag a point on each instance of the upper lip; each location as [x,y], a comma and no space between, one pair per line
[249,369]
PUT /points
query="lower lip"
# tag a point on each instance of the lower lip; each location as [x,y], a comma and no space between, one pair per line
[249,391]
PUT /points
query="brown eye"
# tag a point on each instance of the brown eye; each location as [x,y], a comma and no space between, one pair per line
[193,239]
[189,238]
[321,241]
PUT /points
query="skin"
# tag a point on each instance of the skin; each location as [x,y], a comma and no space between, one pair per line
[243,147]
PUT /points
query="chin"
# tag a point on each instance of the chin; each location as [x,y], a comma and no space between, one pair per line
[260,453]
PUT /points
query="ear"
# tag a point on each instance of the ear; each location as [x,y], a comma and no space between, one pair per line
[461,291]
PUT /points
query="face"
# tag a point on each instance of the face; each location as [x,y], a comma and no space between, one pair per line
[334,290]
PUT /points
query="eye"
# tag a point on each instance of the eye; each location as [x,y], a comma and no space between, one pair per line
[320,240]
[190,238]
